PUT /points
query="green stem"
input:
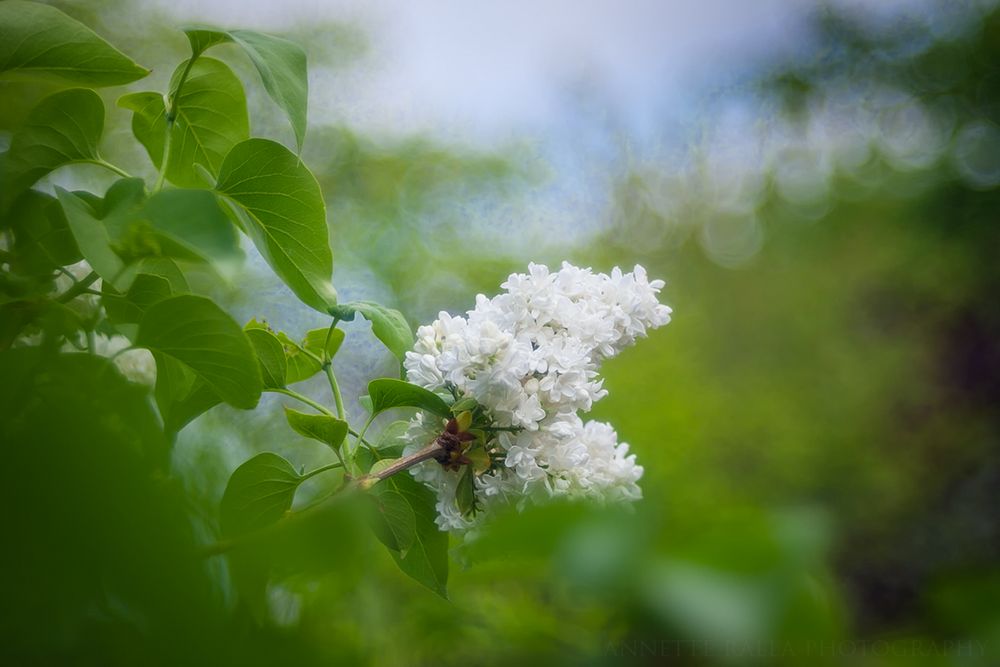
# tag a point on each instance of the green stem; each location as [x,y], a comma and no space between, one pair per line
[311,473]
[78,288]
[171,117]
[337,398]
[304,399]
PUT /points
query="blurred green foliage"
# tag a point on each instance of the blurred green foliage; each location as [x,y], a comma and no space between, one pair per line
[818,428]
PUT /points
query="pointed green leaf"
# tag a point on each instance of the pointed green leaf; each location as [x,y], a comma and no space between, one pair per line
[388,393]
[40,41]
[258,494]
[426,558]
[282,68]
[280,63]
[388,325]
[149,125]
[326,429]
[270,356]
[282,208]
[63,128]
[196,332]
[203,38]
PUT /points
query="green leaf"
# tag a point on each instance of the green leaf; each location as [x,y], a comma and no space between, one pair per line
[388,325]
[258,494]
[426,557]
[326,429]
[394,522]
[196,332]
[129,308]
[180,394]
[282,68]
[388,393]
[63,128]
[281,205]
[192,225]
[92,238]
[323,342]
[465,492]
[280,63]
[270,356]
[168,269]
[42,237]
[149,122]
[40,41]
[202,39]
[211,119]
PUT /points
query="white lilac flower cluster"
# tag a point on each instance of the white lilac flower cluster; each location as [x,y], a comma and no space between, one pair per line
[530,356]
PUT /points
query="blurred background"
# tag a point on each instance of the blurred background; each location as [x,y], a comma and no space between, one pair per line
[818,183]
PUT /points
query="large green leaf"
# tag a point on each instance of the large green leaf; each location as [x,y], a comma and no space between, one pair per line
[63,128]
[259,493]
[196,332]
[388,325]
[325,429]
[40,41]
[388,393]
[281,205]
[423,550]
[211,119]
[270,356]
[280,63]
[193,223]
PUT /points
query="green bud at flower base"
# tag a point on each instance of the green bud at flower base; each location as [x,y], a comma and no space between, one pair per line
[464,420]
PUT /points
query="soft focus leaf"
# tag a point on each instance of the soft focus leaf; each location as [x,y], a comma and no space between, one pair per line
[42,237]
[388,393]
[129,308]
[270,356]
[92,239]
[196,332]
[325,429]
[194,221]
[63,128]
[282,207]
[259,493]
[40,41]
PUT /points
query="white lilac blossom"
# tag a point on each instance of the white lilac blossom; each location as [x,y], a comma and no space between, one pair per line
[530,357]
